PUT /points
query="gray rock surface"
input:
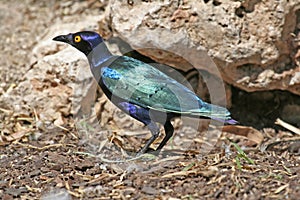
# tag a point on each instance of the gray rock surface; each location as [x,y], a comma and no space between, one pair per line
[58,83]
[251,42]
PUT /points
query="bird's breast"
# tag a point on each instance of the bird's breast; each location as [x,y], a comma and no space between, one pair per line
[110,73]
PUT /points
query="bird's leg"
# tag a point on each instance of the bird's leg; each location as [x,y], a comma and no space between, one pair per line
[155,133]
[169,129]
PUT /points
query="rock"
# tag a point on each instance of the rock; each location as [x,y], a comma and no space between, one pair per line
[47,87]
[58,84]
[247,40]
[61,194]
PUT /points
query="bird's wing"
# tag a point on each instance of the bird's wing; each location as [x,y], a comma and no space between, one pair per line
[146,86]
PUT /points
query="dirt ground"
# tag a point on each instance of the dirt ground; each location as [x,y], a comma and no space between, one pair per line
[62,163]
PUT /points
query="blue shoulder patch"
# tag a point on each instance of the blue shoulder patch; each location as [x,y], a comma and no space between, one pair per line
[110,73]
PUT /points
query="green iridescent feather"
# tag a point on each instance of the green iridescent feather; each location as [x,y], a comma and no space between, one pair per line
[146,86]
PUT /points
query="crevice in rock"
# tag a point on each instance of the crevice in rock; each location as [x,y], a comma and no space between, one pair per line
[240,11]
[297,28]
[247,6]
[261,109]
[216,3]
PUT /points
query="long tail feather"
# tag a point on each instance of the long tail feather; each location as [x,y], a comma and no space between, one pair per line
[227,121]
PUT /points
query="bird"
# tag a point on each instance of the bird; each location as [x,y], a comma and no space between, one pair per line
[141,90]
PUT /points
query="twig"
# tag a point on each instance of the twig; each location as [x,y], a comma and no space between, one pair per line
[287,126]
[5,110]
[38,148]
[65,129]
[101,157]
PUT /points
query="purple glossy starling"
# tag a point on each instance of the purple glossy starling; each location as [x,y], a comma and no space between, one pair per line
[141,90]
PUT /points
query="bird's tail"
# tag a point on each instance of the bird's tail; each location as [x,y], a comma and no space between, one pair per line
[214,112]
[226,121]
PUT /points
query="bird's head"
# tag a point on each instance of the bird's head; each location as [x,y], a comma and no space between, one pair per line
[84,41]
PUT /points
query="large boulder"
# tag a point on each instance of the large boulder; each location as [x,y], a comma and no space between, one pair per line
[251,42]
[48,86]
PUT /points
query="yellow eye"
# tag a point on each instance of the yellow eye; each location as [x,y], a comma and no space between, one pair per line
[77,38]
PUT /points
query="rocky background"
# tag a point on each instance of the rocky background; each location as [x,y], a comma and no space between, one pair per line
[62,139]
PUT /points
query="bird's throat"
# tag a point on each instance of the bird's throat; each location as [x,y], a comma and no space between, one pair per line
[99,55]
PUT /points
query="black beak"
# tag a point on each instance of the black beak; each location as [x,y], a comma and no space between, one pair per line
[63,38]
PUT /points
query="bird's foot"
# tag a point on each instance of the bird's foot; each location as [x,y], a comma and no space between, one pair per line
[153,152]
[149,151]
